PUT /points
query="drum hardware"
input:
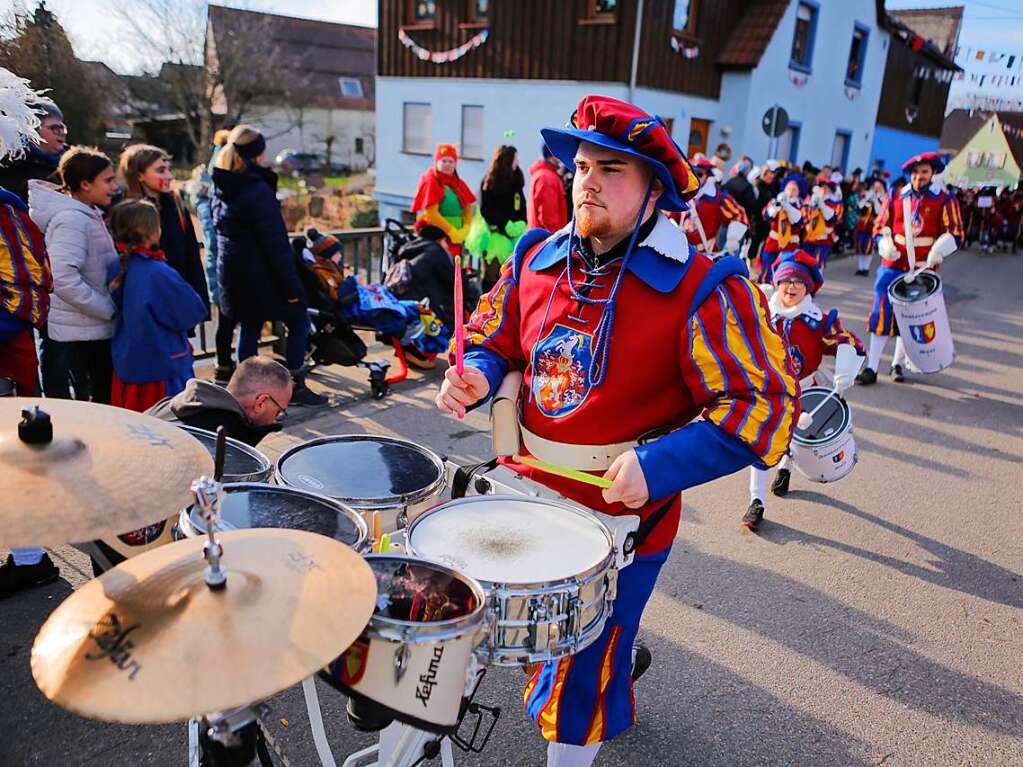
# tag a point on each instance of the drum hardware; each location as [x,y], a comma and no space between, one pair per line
[234,738]
[207,493]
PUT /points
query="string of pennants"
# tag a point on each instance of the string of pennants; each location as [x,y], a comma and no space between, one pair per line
[972,55]
[686,51]
[995,80]
[443,57]
[976,101]
[938,75]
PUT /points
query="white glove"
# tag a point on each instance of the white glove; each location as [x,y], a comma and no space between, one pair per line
[733,235]
[781,198]
[886,246]
[847,365]
[805,421]
[792,212]
[945,245]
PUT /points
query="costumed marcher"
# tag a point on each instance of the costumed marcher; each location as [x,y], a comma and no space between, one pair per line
[810,334]
[578,313]
[936,230]
[786,217]
[443,200]
[250,407]
[548,206]
[869,206]
[25,286]
[823,214]
[501,217]
[156,308]
[711,209]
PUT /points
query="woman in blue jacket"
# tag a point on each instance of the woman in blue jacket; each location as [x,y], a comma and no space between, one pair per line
[258,277]
[156,308]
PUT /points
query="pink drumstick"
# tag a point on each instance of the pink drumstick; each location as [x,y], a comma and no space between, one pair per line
[459,320]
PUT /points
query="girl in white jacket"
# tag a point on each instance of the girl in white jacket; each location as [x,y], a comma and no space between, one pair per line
[81,252]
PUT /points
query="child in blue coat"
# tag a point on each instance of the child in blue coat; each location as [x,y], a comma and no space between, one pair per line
[156,307]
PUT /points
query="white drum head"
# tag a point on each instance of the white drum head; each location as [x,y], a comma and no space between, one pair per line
[505,539]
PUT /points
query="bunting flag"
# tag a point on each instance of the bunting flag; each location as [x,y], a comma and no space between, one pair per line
[799,80]
[443,57]
[686,51]
[938,75]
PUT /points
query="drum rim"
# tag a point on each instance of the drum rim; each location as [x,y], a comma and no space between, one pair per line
[846,423]
[415,632]
[901,279]
[602,566]
[359,546]
[381,502]
[267,465]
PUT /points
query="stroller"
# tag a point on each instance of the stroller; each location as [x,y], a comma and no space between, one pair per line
[333,340]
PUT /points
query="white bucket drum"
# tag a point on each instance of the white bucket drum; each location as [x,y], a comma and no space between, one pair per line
[825,452]
[547,568]
[367,472]
[249,504]
[414,661]
[241,464]
[919,308]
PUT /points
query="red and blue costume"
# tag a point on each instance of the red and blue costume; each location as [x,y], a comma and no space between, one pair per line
[640,340]
[786,218]
[715,209]
[823,214]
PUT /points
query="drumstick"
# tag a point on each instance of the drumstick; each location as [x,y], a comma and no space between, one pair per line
[562,471]
[820,404]
[459,323]
[376,529]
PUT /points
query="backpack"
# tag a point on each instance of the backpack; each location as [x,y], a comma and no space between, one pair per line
[398,279]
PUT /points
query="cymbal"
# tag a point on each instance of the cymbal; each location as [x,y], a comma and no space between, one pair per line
[106,470]
[148,642]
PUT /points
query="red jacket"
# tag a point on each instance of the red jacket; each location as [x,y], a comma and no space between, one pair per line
[935,212]
[548,208]
[714,212]
[810,336]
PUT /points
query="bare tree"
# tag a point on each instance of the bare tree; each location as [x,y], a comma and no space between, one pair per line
[216,64]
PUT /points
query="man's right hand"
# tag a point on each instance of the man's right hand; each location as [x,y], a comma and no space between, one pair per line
[459,392]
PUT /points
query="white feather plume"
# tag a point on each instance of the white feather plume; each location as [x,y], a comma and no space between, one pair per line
[18,121]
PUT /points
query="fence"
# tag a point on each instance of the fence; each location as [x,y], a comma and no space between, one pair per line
[362,250]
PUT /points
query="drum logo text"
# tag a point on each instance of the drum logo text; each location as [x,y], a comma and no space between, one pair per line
[561,364]
[111,637]
[428,680]
[923,334]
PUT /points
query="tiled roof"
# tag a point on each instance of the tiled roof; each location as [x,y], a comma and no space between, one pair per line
[752,33]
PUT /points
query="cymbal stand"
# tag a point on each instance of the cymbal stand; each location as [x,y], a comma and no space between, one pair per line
[207,493]
[228,739]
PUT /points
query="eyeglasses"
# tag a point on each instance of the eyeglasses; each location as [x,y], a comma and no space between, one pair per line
[791,281]
[58,128]
[281,412]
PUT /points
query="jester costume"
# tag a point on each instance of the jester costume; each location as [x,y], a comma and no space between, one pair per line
[786,218]
[625,350]
[444,201]
[823,214]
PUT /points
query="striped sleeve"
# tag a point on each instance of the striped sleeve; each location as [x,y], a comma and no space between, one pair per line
[739,371]
[952,218]
[836,335]
[732,211]
[884,218]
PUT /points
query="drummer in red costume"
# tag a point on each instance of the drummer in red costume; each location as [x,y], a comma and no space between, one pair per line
[823,213]
[786,216]
[712,208]
[443,200]
[937,231]
[870,206]
[810,335]
[623,336]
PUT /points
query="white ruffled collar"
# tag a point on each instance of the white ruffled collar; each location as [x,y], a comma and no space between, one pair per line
[709,189]
[667,239]
[806,306]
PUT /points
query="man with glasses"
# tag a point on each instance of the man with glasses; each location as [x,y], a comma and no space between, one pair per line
[250,407]
[40,161]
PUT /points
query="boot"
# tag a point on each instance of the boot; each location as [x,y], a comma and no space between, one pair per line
[754,514]
[302,394]
[897,374]
[866,377]
[641,660]
[222,375]
[780,486]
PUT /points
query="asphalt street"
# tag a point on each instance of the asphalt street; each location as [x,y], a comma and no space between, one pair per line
[874,621]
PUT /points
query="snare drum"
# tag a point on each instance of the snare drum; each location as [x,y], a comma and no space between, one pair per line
[919,308]
[367,472]
[547,567]
[415,658]
[242,463]
[248,504]
[825,452]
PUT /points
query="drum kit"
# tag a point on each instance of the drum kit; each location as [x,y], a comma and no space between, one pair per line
[259,579]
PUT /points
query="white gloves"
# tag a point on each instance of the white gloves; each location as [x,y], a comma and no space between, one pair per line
[794,214]
[945,245]
[733,235]
[804,422]
[886,246]
[847,365]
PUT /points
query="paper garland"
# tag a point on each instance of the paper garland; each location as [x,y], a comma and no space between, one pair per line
[687,51]
[938,75]
[443,57]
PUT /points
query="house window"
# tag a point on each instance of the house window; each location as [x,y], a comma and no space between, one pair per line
[788,143]
[995,159]
[683,18]
[472,132]
[358,145]
[350,87]
[974,159]
[802,40]
[424,11]
[840,149]
[602,9]
[415,137]
[857,56]
[479,10]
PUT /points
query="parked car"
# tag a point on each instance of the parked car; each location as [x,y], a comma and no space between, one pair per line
[292,161]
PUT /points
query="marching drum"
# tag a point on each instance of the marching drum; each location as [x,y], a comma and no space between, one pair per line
[547,567]
[414,660]
[367,472]
[919,308]
[826,451]
[242,463]
[250,505]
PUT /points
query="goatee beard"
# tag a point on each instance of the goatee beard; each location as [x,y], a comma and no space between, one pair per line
[589,225]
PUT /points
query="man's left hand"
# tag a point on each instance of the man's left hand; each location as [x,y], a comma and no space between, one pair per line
[628,483]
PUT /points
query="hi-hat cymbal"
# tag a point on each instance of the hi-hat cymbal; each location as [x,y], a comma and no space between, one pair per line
[148,642]
[106,470]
